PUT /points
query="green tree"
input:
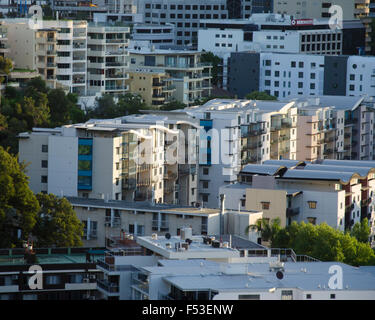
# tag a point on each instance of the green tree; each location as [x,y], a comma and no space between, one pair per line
[361,231]
[268,230]
[57,223]
[216,65]
[6,67]
[18,204]
[130,104]
[173,105]
[324,243]
[256,95]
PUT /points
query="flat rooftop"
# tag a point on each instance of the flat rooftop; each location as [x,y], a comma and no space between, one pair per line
[312,276]
[15,256]
[141,206]
[196,249]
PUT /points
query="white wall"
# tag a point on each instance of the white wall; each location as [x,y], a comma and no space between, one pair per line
[62,165]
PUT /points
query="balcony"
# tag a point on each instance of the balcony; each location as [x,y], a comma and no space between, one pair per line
[107,286]
[116,221]
[140,281]
[291,212]
[116,88]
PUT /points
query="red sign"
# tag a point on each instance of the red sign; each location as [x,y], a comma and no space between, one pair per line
[302,22]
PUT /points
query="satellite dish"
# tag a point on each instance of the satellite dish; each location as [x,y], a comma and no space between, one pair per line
[279,275]
[167,235]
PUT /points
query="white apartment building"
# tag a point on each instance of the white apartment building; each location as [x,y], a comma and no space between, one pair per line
[107,57]
[279,34]
[99,160]
[158,35]
[204,269]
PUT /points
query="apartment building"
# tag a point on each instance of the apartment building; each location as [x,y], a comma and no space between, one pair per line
[109,222]
[107,59]
[211,280]
[66,274]
[279,33]
[321,9]
[186,16]
[57,49]
[311,74]
[203,269]
[338,192]
[158,35]
[191,77]
[4,49]
[155,87]
[33,50]
[131,158]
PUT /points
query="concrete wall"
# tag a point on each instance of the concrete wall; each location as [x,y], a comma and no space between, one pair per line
[335,70]
[276,198]
[30,151]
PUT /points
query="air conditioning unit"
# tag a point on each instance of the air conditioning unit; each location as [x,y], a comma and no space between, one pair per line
[93,276]
[86,280]
[154,236]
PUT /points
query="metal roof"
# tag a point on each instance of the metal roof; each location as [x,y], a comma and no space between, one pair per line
[263,169]
[285,162]
[361,171]
[258,277]
[350,163]
[343,177]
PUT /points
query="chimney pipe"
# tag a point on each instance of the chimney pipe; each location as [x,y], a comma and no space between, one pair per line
[222,208]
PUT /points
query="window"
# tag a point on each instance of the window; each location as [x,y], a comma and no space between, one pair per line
[311,220]
[312,204]
[265,205]
[332,296]
[205,171]
[249,297]
[308,296]
[44,179]
[205,184]
[205,198]
[44,164]
[286,295]
[44,148]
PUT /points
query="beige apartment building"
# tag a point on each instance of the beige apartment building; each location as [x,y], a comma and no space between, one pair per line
[320,8]
[155,87]
[191,77]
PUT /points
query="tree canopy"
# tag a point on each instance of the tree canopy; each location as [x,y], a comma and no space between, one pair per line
[216,62]
[57,223]
[18,204]
[324,243]
[36,105]
[256,95]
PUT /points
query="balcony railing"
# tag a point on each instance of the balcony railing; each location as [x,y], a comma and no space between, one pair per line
[108,286]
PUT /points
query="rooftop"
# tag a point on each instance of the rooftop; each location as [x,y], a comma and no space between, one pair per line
[141,206]
[312,276]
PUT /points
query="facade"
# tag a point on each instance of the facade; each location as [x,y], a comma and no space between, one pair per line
[278,34]
[206,280]
[155,87]
[275,73]
[107,59]
[4,50]
[320,9]
[158,35]
[191,77]
[67,274]
[109,223]
[336,192]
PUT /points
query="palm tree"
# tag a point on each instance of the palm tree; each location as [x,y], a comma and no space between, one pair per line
[267,230]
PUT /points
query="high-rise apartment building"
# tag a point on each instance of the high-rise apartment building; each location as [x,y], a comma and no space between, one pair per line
[107,59]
